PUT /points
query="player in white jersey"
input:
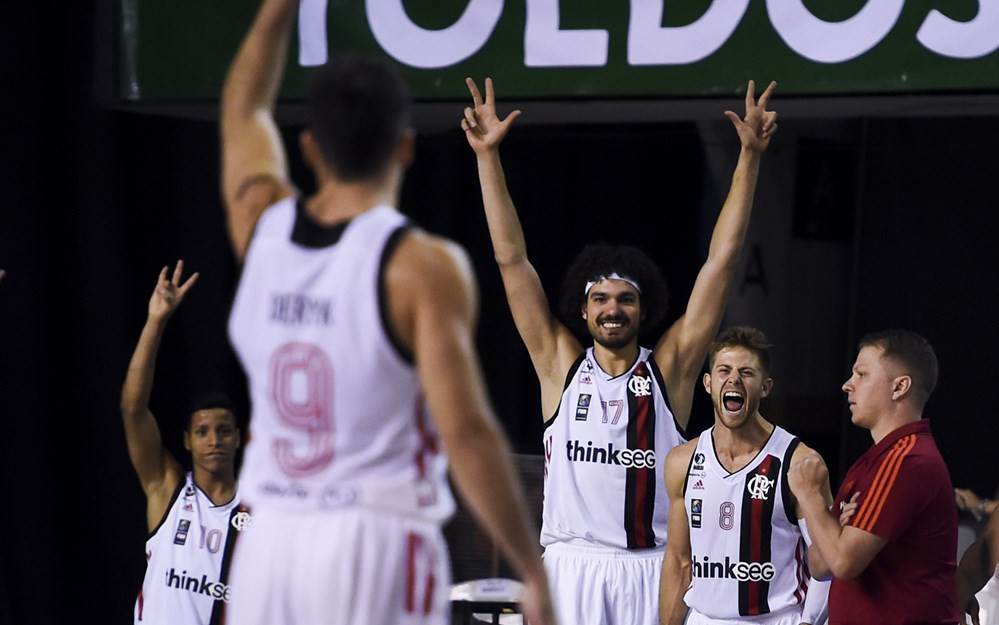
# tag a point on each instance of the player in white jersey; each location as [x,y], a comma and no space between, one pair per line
[356,334]
[604,522]
[189,515]
[737,548]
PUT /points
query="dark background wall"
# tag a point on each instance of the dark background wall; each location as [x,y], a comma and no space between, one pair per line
[97,201]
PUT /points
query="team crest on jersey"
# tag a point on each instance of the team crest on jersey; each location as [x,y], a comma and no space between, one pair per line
[241,520]
[582,406]
[695,513]
[759,487]
[180,536]
[698,461]
[641,386]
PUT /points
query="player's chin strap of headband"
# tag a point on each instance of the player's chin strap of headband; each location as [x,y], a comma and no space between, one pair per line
[613,276]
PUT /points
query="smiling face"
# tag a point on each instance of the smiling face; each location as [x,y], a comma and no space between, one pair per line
[871,386]
[613,313]
[212,439]
[736,383]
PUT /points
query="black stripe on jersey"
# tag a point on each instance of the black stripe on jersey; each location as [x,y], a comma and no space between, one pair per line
[218,607]
[173,499]
[568,380]
[756,534]
[786,496]
[658,375]
[307,233]
[640,484]
[686,478]
[383,304]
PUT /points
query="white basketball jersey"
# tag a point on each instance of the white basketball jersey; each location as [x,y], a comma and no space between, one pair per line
[339,417]
[748,557]
[604,453]
[187,560]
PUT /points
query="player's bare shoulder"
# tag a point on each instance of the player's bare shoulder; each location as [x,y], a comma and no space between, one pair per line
[431,275]
[803,452]
[677,463]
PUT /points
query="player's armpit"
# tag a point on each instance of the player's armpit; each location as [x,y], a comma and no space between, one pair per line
[248,202]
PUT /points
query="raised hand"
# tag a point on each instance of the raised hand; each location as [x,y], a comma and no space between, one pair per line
[483,128]
[759,124]
[169,293]
[807,475]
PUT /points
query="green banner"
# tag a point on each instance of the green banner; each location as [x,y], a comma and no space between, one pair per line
[565,49]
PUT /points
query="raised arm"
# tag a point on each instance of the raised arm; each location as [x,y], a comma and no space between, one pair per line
[433,304]
[846,550]
[254,166]
[159,473]
[680,352]
[550,344]
[676,574]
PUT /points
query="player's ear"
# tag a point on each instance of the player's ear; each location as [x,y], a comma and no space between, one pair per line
[310,150]
[901,386]
[768,385]
[187,440]
[706,380]
[405,151]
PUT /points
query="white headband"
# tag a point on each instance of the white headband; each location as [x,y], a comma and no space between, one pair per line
[613,276]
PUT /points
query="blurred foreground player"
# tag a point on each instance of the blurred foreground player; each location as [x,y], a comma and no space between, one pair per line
[356,333]
[189,515]
[894,561]
[613,409]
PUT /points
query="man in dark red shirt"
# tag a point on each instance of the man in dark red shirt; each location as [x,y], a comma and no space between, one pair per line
[894,560]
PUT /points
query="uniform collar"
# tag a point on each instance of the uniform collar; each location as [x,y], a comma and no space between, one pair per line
[922,426]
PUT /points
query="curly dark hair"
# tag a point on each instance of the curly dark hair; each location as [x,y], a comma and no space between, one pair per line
[599,259]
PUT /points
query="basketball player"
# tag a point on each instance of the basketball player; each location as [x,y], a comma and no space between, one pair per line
[894,561]
[735,550]
[614,409]
[189,515]
[976,573]
[356,333]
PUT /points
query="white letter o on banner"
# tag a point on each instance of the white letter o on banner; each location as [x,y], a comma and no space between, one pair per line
[833,42]
[428,49]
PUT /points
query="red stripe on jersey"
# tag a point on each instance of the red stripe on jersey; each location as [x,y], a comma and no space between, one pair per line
[413,542]
[642,476]
[757,527]
[883,482]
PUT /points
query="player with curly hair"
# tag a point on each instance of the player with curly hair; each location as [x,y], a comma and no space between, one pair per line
[614,409]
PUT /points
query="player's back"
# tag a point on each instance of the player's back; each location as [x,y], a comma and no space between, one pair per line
[338,415]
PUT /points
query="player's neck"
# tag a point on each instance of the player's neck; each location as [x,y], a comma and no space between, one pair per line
[890,422]
[616,361]
[736,447]
[338,201]
[220,487]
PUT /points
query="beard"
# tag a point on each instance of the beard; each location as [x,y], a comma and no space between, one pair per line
[615,342]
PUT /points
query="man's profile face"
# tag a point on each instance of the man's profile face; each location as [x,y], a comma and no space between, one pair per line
[869,389]
[613,313]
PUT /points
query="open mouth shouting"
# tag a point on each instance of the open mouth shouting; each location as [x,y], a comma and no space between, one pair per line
[733,401]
